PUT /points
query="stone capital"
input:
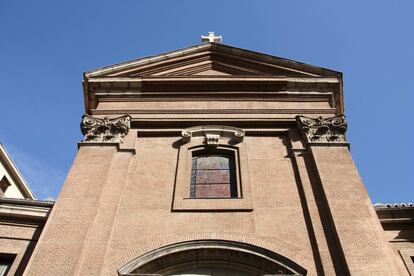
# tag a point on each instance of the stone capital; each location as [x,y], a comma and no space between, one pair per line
[105,130]
[322,130]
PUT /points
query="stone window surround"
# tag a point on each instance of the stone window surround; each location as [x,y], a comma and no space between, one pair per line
[407,256]
[199,140]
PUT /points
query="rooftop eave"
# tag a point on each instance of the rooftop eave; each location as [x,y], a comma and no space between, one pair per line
[210,79]
[388,215]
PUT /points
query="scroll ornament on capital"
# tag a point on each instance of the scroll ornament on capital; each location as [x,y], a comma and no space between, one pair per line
[322,130]
[105,130]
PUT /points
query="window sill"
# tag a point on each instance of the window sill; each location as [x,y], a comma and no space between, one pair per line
[212,204]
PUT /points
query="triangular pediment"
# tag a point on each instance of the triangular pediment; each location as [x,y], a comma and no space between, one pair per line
[211,59]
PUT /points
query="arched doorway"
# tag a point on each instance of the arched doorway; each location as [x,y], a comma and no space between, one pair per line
[211,258]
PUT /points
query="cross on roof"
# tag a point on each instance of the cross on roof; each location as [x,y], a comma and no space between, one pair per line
[211,38]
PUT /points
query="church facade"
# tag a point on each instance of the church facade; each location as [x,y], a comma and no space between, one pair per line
[215,160]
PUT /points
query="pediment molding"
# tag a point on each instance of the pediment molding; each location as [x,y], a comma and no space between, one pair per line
[209,59]
[210,64]
[211,69]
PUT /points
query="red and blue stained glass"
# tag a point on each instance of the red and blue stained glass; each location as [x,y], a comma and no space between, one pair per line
[213,176]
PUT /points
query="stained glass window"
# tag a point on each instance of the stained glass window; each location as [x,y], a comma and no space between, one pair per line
[213,176]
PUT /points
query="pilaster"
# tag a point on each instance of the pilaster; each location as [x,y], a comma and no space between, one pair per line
[351,223]
[324,261]
[76,235]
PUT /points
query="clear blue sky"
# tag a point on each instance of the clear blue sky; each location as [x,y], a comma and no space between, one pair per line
[46,45]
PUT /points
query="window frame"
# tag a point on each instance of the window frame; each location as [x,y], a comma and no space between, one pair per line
[407,257]
[181,195]
[4,185]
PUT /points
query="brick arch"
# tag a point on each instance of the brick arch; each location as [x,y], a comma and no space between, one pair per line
[300,260]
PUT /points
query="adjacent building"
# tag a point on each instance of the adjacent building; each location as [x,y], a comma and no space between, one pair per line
[22,218]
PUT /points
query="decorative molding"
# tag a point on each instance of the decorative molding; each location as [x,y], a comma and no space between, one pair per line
[125,262]
[296,97]
[320,130]
[394,205]
[212,140]
[105,130]
[33,210]
[328,111]
[210,51]
[28,212]
[207,250]
[213,133]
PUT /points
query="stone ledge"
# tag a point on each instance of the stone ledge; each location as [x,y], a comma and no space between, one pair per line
[24,211]
[105,144]
[329,144]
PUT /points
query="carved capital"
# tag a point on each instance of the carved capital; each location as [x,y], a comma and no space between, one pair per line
[105,130]
[320,130]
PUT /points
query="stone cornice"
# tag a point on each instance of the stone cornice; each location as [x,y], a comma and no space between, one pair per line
[141,79]
[107,144]
[276,96]
[228,87]
[395,213]
[214,84]
[322,130]
[38,213]
[214,111]
[26,209]
[105,130]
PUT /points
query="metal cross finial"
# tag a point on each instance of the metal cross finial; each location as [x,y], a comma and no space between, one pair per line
[211,38]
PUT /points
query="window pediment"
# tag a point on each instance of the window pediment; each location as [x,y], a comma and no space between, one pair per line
[212,134]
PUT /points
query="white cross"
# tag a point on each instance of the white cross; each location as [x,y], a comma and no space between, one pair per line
[211,38]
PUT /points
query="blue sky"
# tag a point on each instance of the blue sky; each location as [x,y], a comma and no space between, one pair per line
[46,45]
